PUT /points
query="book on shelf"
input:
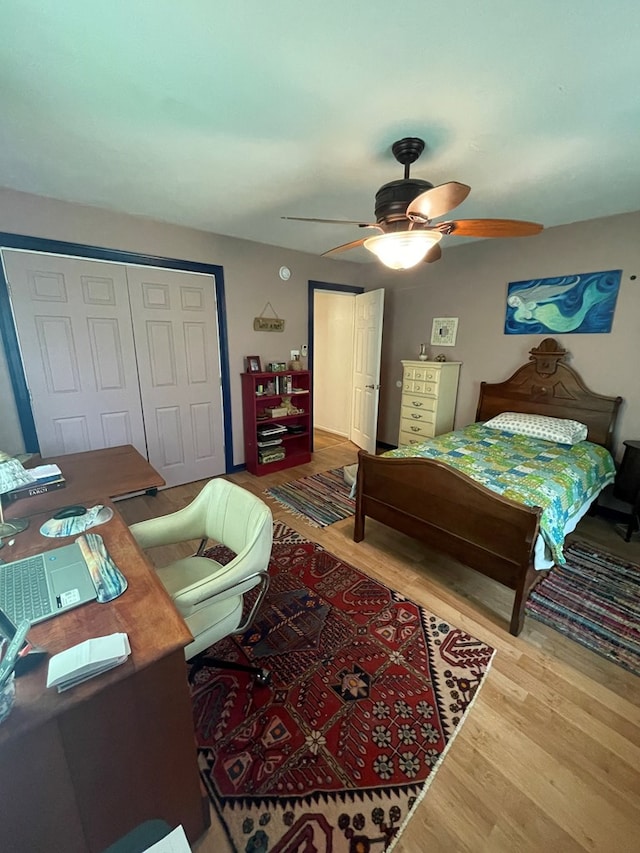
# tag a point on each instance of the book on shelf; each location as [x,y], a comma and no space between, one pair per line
[35,488]
[271,430]
[271,454]
[269,442]
[284,384]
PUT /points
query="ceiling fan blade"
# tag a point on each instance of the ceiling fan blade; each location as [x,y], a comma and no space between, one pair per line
[333,221]
[437,201]
[345,246]
[490,228]
[434,254]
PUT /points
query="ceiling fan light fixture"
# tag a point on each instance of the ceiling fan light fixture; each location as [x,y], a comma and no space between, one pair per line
[402,250]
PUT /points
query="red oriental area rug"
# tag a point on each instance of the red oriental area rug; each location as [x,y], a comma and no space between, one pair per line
[368,691]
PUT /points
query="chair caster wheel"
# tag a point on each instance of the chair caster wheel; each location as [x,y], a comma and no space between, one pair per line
[263,677]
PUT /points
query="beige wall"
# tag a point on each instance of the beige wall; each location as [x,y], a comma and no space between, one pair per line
[250,274]
[470,282]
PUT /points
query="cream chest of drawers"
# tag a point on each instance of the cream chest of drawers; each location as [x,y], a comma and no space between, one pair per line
[429,391]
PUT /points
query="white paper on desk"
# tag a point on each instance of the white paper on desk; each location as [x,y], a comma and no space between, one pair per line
[175,842]
[92,657]
[43,472]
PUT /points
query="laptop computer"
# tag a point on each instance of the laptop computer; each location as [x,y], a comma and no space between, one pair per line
[39,587]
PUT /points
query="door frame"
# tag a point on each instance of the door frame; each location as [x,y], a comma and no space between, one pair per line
[100,253]
[312,287]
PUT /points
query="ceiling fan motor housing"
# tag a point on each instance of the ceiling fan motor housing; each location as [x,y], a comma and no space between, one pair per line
[392,199]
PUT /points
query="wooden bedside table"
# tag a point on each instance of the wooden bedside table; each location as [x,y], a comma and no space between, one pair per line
[627,484]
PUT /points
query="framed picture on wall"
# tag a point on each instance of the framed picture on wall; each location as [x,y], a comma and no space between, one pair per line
[444,331]
[583,303]
[252,364]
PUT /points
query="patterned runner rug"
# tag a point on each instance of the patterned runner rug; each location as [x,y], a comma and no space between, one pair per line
[321,499]
[368,691]
[595,600]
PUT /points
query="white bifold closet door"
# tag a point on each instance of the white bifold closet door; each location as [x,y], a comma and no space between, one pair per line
[117,354]
[176,334]
[73,322]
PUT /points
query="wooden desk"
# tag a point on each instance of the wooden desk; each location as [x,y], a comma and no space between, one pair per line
[81,768]
[91,476]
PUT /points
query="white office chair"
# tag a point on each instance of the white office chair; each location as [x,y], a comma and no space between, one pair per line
[210,595]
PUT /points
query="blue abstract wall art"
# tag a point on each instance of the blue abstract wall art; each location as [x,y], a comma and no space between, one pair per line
[570,304]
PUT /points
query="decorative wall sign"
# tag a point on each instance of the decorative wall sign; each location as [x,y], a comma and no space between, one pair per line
[572,304]
[268,324]
[444,331]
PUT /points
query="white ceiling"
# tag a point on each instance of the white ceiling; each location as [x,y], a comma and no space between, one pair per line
[225,115]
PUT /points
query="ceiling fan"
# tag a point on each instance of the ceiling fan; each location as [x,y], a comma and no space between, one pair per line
[405,211]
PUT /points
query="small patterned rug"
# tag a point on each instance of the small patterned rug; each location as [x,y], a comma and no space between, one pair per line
[595,600]
[320,500]
[368,691]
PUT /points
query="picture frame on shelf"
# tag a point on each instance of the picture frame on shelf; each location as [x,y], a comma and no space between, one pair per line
[277,366]
[252,364]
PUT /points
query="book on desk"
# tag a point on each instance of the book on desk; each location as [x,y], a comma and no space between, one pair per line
[48,478]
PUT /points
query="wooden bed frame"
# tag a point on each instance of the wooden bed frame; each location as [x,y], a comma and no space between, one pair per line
[451,512]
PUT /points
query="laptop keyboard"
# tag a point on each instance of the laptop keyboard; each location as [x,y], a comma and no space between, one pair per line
[23,590]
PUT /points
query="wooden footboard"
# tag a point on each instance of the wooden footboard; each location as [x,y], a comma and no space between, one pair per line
[449,511]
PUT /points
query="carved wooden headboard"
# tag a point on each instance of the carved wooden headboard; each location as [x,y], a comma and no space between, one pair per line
[546,386]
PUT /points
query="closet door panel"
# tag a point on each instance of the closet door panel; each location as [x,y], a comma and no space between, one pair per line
[73,323]
[116,427]
[71,432]
[106,351]
[176,334]
[170,445]
[202,419]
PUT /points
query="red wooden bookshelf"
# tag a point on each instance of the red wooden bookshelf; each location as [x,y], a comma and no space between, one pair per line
[262,392]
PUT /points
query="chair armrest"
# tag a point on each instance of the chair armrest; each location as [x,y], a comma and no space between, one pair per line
[188,603]
[236,577]
[180,526]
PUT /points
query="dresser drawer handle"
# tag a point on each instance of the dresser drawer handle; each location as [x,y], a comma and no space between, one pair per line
[415,429]
[416,415]
[415,403]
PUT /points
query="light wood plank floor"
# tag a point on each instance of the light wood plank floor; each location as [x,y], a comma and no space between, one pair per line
[549,757]
[323,439]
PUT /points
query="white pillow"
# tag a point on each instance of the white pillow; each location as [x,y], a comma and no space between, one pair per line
[561,430]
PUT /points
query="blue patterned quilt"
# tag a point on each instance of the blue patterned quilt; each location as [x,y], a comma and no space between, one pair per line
[557,477]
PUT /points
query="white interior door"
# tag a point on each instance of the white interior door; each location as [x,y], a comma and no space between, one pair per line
[73,324]
[367,351]
[176,336]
